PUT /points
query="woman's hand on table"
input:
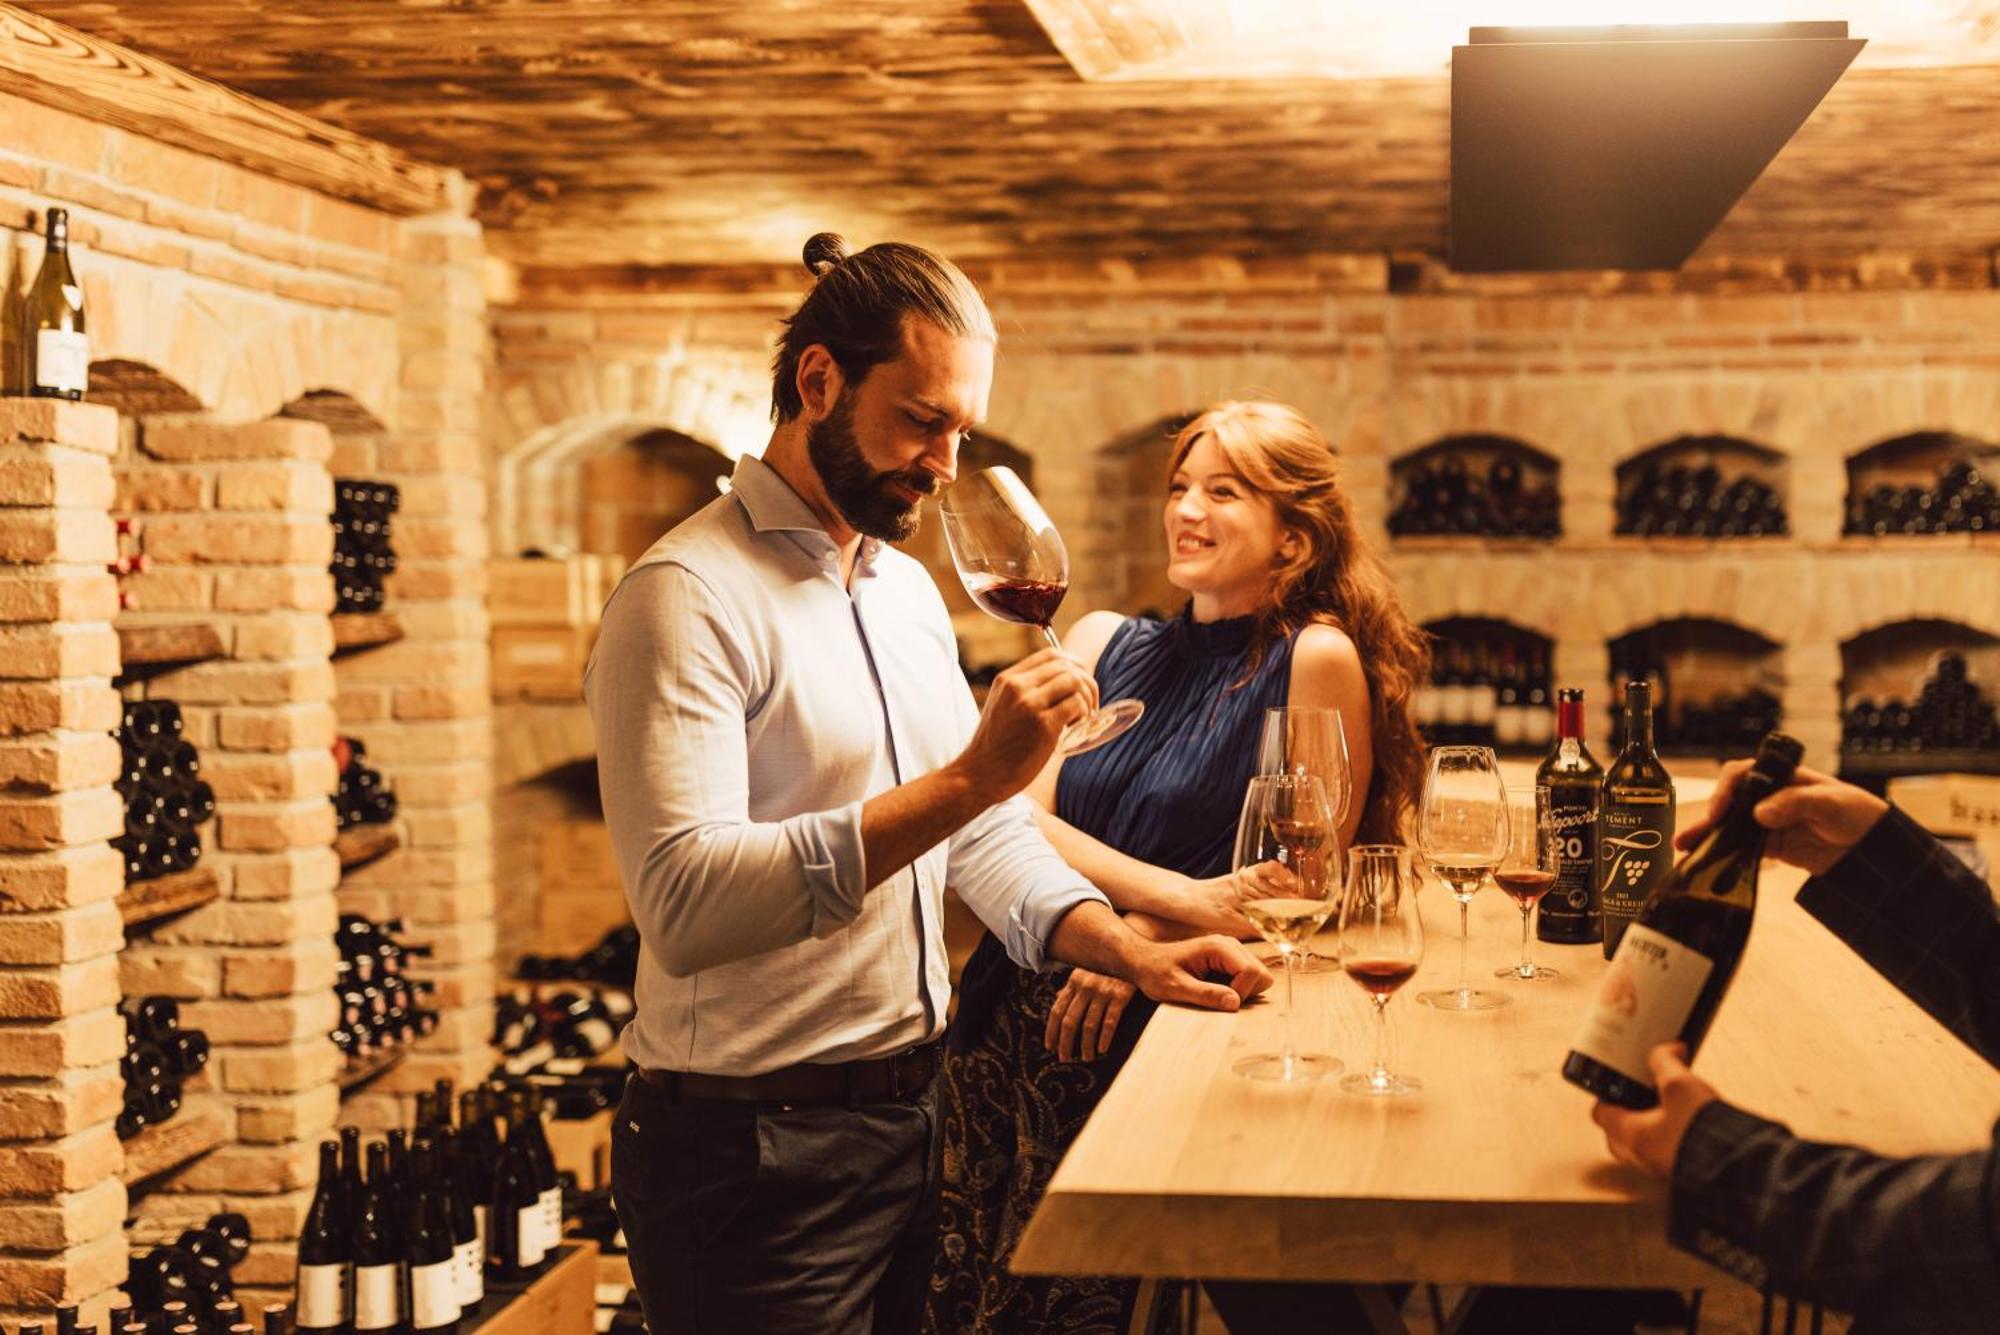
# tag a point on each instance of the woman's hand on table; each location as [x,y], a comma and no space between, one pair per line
[1211,904]
[1650,1140]
[1084,1019]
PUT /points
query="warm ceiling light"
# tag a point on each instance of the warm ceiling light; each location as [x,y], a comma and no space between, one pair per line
[1366,39]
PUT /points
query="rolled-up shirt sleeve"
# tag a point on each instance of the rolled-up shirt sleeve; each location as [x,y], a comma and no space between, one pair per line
[670,686]
[1008,873]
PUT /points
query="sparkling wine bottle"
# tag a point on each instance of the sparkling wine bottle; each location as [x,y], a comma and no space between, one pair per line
[1675,961]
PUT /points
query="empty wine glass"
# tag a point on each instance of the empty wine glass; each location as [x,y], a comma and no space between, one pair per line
[1310,740]
[1381,943]
[1012,563]
[1462,830]
[1529,867]
[1285,888]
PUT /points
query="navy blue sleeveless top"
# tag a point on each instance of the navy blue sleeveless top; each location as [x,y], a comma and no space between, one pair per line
[1169,791]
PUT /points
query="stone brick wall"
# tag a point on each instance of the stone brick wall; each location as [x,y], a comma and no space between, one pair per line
[1092,364]
[226,311]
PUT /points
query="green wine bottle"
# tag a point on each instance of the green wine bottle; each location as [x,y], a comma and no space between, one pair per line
[55,352]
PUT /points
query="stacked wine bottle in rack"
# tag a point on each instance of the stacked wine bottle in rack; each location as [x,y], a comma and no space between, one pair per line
[166,799]
[362,798]
[1950,713]
[1484,693]
[186,1285]
[160,1057]
[614,960]
[1962,499]
[1725,721]
[558,1035]
[1449,496]
[408,1242]
[363,554]
[381,1006]
[1684,500]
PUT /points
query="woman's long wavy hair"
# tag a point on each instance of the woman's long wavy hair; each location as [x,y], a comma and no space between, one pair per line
[1335,579]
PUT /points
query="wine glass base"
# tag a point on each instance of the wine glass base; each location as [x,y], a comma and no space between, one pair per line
[1382,1084]
[1464,999]
[1536,973]
[1108,724]
[1300,1069]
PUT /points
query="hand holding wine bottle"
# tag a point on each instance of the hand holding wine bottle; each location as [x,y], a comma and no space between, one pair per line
[1650,1140]
[1813,821]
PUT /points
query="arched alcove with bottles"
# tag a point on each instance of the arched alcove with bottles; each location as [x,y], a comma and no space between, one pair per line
[1919,696]
[1476,486]
[1717,686]
[1490,685]
[1704,486]
[1924,483]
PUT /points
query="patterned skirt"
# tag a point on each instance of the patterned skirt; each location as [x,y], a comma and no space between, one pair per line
[1008,1111]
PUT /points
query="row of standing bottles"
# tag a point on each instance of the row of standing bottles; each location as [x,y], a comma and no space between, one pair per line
[175,1317]
[183,1287]
[1483,695]
[407,1247]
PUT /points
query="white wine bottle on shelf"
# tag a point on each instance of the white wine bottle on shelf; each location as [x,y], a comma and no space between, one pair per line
[54,349]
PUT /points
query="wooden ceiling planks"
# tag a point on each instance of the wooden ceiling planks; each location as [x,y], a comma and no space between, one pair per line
[707,132]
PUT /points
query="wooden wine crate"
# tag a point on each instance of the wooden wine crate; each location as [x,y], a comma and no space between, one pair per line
[560,1301]
[582,1146]
[542,662]
[1957,806]
[565,591]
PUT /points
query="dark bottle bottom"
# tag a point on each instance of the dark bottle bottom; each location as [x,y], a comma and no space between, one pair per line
[1587,932]
[1594,1077]
[43,392]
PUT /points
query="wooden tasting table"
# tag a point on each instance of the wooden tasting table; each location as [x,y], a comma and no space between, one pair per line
[1494,1172]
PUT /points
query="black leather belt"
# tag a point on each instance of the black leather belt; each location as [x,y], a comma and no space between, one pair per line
[900,1078]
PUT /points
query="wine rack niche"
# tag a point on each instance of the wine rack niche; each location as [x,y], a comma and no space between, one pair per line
[1920,697]
[1925,483]
[1703,487]
[1476,487]
[1717,687]
[363,554]
[1490,686]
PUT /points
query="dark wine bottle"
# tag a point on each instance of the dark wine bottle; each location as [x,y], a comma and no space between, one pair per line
[1635,821]
[378,1252]
[468,1247]
[54,349]
[477,1156]
[431,1257]
[550,1191]
[1675,961]
[1569,913]
[516,1220]
[326,1256]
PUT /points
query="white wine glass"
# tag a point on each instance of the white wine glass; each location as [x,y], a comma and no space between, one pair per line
[1285,887]
[1013,564]
[1310,740]
[1529,868]
[1462,832]
[1381,943]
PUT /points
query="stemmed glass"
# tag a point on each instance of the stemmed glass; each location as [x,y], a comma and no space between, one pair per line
[1462,830]
[1529,867]
[1285,888]
[1381,945]
[1309,740]
[1012,562]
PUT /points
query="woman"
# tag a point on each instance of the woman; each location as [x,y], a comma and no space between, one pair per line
[1286,605]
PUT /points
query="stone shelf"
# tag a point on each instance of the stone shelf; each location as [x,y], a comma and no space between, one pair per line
[143,903]
[356,1076]
[359,845]
[356,631]
[197,1128]
[146,649]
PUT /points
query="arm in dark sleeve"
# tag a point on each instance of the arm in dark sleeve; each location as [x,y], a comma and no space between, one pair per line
[1924,921]
[1909,1244]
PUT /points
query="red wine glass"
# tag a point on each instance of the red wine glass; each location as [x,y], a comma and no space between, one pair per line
[1012,562]
[1381,945]
[1528,868]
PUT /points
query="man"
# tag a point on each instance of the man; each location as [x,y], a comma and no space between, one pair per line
[793,770]
[1905,1244]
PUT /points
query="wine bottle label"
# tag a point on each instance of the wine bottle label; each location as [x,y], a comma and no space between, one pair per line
[1634,853]
[466,1273]
[1649,989]
[62,360]
[1569,910]
[479,1229]
[378,1301]
[565,1066]
[528,1248]
[552,1219]
[596,1033]
[523,1062]
[433,1295]
[322,1299]
[602,1318]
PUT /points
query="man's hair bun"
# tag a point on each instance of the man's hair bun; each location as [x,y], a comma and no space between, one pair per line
[824,251]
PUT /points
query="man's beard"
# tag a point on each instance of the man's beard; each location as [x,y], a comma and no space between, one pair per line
[860,493]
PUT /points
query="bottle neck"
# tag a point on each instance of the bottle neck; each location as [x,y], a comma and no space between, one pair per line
[1569,720]
[1638,729]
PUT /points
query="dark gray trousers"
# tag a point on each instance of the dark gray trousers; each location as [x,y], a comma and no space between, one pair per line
[765,1220]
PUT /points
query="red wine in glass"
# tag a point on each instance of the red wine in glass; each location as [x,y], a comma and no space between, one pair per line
[1527,886]
[1380,977]
[1026,602]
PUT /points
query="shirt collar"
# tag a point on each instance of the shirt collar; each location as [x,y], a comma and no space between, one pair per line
[774,507]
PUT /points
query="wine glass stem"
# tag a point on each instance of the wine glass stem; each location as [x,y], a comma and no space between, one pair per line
[1464,929]
[1527,965]
[1288,955]
[1381,1039]
[1050,636]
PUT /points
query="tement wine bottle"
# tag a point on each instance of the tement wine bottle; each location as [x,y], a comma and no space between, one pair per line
[1676,959]
[1569,913]
[54,349]
[1635,821]
[326,1258]
[378,1252]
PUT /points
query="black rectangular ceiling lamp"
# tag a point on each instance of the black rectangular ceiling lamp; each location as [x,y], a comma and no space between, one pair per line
[1621,147]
